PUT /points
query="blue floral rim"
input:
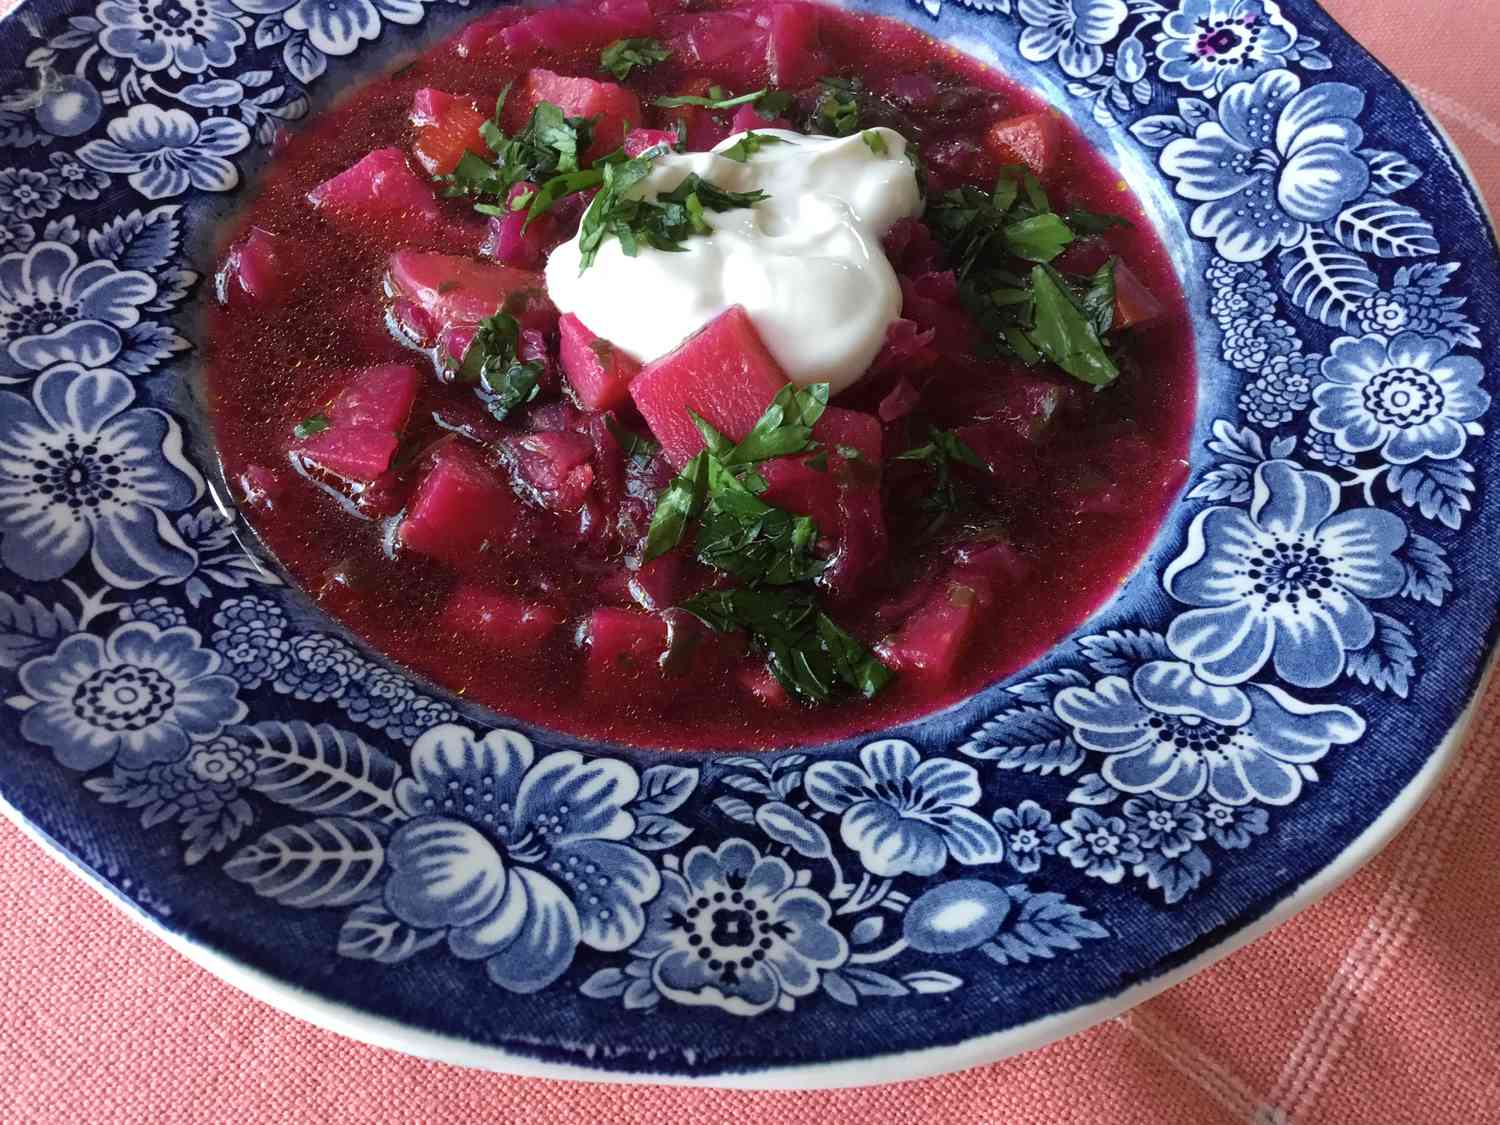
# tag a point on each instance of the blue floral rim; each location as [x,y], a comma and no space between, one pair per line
[1291,653]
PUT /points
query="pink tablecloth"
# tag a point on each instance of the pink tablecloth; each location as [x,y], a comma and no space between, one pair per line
[1378,1005]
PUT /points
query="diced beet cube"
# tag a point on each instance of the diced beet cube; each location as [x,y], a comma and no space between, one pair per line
[460,505]
[377,397]
[795,55]
[898,402]
[746,118]
[930,642]
[931,300]
[625,650]
[598,372]
[512,241]
[723,373]
[365,422]
[617,108]
[1134,303]
[1032,139]
[911,248]
[456,290]
[263,266]
[446,128]
[356,453]
[659,583]
[638,141]
[993,566]
[863,542]
[500,620]
[573,28]
[480,31]
[730,45]
[554,466]
[793,484]
[849,427]
[380,186]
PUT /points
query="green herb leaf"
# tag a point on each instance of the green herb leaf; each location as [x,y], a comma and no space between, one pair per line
[631,443]
[312,424]
[1064,334]
[744,536]
[874,142]
[558,186]
[716,443]
[1084,223]
[943,450]
[1037,238]
[682,500]
[548,146]
[837,111]
[1098,298]
[491,359]
[717,98]
[625,55]
[785,427]
[806,651]
[748,145]
[664,223]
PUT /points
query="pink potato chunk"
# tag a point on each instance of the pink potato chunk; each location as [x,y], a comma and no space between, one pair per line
[617,109]
[794,53]
[625,649]
[381,186]
[459,506]
[499,620]
[453,289]
[723,373]
[365,421]
[599,373]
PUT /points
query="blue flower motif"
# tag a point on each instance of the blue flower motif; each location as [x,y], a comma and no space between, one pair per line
[1320,447]
[1207,44]
[1168,827]
[158,610]
[1076,31]
[75,179]
[1234,826]
[902,815]
[518,860]
[1251,346]
[16,237]
[141,696]
[25,194]
[163,152]
[378,697]
[187,36]
[419,716]
[1409,397]
[1275,160]
[1168,732]
[1285,582]
[1099,845]
[1281,391]
[337,27]
[250,633]
[319,667]
[734,931]
[81,472]
[1029,834]
[55,309]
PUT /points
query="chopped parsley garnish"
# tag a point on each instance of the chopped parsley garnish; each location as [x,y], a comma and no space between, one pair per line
[748,145]
[549,145]
[312,424]
[769,549]
[874,141]
[770,102]
[625,55]
[943,450]
[664,223]
[805,650]
[492,359]
[1001,243]
[631,443]
[837,111]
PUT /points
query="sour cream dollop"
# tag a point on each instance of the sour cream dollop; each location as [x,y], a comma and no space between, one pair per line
[806,264]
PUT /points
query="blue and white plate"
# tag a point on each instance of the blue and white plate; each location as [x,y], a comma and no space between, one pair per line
[1254,714]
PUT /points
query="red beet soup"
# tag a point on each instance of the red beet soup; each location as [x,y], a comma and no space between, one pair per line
[687,549]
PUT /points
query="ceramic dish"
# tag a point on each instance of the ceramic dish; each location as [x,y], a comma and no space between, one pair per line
[1296,648]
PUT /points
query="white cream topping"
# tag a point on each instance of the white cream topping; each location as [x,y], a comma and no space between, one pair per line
[806,264]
